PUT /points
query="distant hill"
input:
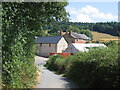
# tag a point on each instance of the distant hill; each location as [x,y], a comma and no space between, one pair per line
[103,37]
[112,28]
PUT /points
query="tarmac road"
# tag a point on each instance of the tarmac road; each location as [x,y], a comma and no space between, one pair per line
[49,79]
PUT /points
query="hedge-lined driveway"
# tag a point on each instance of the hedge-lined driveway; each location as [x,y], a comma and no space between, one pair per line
[50,80]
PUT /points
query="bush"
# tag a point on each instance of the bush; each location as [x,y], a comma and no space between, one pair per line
[97,68]
[60,65]
[110,43]
[51,62]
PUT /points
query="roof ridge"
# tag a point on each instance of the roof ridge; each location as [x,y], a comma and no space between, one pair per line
[78,33]
[50,36]
[48,39]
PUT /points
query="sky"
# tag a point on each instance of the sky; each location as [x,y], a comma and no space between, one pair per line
[93,11]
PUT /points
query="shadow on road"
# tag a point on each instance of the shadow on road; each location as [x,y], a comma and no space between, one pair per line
[51,80]
[69,83]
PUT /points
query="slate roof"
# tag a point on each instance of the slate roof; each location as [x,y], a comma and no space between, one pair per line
[46,40]
[82,36]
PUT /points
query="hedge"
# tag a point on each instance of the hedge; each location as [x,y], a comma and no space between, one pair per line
[20,23]
[98,68]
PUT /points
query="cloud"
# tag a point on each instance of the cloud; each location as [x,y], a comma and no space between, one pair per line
[107,16]
[94,12]
[72,10]
[84,18]
[89,10]
[87,13]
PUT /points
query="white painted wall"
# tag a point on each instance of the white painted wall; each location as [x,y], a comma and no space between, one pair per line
[62,45]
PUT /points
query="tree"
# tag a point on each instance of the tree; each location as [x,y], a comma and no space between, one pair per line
[21,20]
[72,28]
[86,32]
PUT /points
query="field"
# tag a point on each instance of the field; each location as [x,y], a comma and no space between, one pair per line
[104,37]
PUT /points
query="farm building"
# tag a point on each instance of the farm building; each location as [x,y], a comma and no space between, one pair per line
[81,47]
[72,37]
[51,44]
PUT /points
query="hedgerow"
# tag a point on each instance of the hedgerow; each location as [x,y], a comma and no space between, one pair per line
[98,68]
[51,62]
[20,23]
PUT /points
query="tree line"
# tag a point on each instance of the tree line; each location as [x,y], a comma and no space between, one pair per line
[111,28]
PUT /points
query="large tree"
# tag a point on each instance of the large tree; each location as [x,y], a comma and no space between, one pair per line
[20,22]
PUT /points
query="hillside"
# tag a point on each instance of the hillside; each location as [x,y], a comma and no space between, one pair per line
[103,37]
[102,27]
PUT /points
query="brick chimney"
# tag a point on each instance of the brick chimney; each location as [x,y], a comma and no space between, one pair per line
[61,33]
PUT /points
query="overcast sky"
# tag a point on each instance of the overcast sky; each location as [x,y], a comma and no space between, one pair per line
[93,11]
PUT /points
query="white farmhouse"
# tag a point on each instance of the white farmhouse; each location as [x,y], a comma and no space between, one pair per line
[51,44]
[82,47]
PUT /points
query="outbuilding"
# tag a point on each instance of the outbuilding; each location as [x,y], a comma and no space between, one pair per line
[82,47]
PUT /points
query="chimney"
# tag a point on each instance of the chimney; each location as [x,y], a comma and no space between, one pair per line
[61,33]
[70,33]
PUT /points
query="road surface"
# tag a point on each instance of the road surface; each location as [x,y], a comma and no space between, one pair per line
[49,79]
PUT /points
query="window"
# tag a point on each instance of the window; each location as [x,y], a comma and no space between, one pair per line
[40,44]
[49,45]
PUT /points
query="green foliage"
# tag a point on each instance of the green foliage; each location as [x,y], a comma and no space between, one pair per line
[110,43]
[97,68]
[20,22]
[72,28]
[51,62]
[56,62]
[111,28]
[60,65]
[86,32]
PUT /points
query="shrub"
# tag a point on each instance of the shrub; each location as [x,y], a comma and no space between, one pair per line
[97,68]
[51,62]
[60,65]
[110,43]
